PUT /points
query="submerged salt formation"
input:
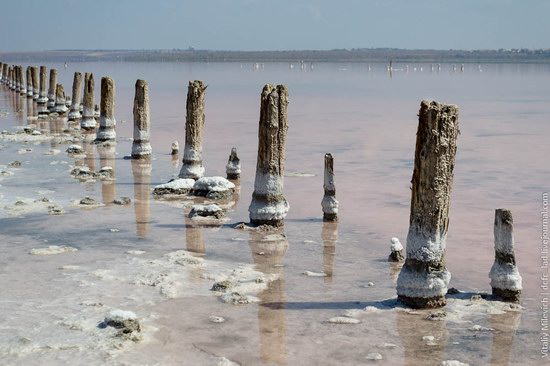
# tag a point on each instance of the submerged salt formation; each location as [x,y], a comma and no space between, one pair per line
[107,122]
[51,89]
[269,206]
[194,123]
[329,202]
[35,82]
[233,167]
[396,249]
[60,100]
[88,121]
[506,281]
[423,280]
[141,147]
[74,113]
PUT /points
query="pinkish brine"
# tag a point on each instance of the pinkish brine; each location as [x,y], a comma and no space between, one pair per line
[94,267]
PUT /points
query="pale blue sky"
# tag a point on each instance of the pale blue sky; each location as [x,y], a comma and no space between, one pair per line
[273,24]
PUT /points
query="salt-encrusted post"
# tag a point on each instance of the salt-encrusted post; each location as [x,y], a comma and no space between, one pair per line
[22,82]
[194,122]
[60,100]
[88,121]
[107,122]
[233,167]
[396,251]
[506,281]
[269,206]
[329,202]
[51,90]
[35,82]
[74,114]
[29,82]
[42,98]
[423,280]
[141,147]
[1,72]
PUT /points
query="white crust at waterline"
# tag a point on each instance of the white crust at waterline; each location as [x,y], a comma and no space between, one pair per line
[425,246]
[422,285]
[505,276]
[233,167]
[262,211]
[329,204]
[106,129]
[179,185]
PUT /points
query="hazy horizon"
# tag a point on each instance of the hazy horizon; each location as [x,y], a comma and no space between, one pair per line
[253,25]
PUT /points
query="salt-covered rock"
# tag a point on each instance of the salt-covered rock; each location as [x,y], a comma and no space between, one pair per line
[52,249]
[396,248]
[179,186]
[212,210]
[75,149]
[213,187]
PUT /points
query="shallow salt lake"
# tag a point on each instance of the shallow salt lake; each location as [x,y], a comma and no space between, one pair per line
[51,305]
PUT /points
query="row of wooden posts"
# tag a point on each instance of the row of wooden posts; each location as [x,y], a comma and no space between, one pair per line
[424,278]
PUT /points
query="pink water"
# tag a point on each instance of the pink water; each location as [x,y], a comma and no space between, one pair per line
[368,121]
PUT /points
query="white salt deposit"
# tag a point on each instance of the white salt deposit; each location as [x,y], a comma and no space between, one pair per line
[343,320]
[213,184]
[314,274]
[374,356]
[52,249]
[396,244]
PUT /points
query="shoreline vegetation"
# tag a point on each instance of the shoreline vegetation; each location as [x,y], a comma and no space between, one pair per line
[359,55]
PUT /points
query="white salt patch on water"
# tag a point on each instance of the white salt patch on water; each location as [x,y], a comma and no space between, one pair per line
[299,175]
[216,319]
[314,274]
[374,356]
[135,252]
[343,320]
[52,249]
[222,361]
[453,363]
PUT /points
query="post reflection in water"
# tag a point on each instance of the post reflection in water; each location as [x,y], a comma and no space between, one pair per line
[419,350]
[107,154]
[56,127]
[30,111]
[89,152]
[268,253]
[194,240]
[506,326]
[18,108]
[329,234]
[141,170]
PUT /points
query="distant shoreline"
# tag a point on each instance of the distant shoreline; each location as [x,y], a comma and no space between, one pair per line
[362,55]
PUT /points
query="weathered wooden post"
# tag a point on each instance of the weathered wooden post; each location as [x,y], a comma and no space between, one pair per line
[506,281]
[423,280]
[35,83]
[233,167]
[269,206]
[51,90]
[194,122]
[74,113]
[29,82]
[141,147]
[88,121]
[329,202]
[42,98]
[1,72]
[60,107]
[107,122]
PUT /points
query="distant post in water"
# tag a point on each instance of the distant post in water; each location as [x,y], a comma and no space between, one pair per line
[88,121]
[60,100]
[107,122]
[74,113]
[233,167]
[141,147]
[29,82]
[35,83]
[329,202]
[194,122]
[506,281]
[424,278]
[269,206]
[51,90]
[42,98]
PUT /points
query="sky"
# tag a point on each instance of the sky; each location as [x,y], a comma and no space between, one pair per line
[273,24]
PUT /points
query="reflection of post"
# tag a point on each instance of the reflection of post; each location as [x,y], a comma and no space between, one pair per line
[268,255]
[329,234]
[415,333]
[506,326]
[88,146]
[141,169]
[194,241]
[107,158]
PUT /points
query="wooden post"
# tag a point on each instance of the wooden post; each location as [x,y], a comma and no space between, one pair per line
[506,281]
[269,206]
[423,280]
[51,90]
[60,100]
[233,167]
[107,122]
[74,113]
[88,121]
[329,202]
[35,83]
[141,147]
[194,122]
